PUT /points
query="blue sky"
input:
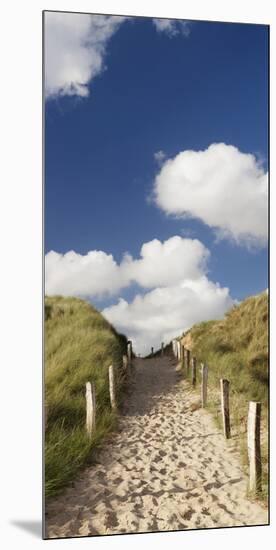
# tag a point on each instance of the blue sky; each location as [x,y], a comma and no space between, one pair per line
[158,90]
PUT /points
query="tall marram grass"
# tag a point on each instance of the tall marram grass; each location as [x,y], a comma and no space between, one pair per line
[236,348]
[79,347]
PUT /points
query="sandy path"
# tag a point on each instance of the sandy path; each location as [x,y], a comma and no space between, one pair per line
[167,468]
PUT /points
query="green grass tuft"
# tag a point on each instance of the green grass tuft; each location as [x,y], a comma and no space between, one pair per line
[236,348]
[79,347]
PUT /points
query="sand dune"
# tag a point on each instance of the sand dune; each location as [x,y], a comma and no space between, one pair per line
[167,468]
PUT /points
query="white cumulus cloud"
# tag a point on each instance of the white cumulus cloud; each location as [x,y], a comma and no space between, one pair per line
[75,46]
[97,273]
[159,157]
[167,263]
[172,27]
[172,275]
[163,313]
[72,274]
[221,186]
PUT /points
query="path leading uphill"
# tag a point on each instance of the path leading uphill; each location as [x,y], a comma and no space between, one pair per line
[167,468]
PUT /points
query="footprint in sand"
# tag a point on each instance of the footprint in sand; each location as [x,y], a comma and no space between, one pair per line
[111,520]
[194,467]
[187,515]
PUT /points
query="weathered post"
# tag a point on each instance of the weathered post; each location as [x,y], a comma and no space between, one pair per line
[193,371]
[152,352]
[254,447]
[174,348]
[184,358]
[181,355]
[129,352]
[125,364]
[178,350]
[90,408]
[188,356]
[224,392]
[162,349]
[112,388]
[204,379]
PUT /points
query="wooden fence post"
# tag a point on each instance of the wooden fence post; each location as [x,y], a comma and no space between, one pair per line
[152,352]
[178,350]
[224,392]
[112,388]
[162,348]
[188,357]
[204,379]
[174,348]
[181,355]
[184,357]
[193,371]
[254,447]
[125,364]
[90,408]
[129,352]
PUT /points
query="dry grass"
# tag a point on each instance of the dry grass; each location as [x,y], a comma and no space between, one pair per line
[79,347]
[236,348]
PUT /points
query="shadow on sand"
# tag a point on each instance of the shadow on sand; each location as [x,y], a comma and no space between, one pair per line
[149,379]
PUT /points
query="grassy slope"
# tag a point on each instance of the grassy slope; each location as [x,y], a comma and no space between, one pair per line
[236,348]
[79,347]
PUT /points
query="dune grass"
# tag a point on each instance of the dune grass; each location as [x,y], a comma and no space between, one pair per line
[79,347]
[236,348]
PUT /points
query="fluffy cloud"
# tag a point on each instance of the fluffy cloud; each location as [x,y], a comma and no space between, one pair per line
[165,264]
[172,27]
[164,313]
[97,273]
[71,274]
[75,46]
[226,189]
[175,271]
[160,157]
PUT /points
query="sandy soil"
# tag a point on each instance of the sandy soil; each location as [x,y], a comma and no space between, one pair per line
[168,468]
